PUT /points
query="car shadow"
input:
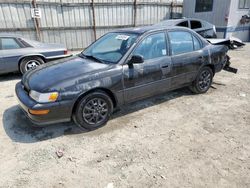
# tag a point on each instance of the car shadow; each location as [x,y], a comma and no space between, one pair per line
[18,127]
[10,76]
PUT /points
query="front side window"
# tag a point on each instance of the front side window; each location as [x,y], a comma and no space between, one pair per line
[181,42]
[195,24]
[203,5]
[244,4]
[153,46]
[111,47]
[9,43]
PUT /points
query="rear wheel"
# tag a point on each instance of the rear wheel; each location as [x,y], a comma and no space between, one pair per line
[93,110]
[203,81]
[30,63]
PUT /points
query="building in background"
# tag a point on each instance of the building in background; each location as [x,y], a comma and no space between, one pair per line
[231,17]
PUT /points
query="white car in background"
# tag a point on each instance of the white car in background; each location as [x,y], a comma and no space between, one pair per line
[204,28]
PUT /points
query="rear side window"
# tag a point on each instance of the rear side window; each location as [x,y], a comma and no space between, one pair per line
[183,24]
[181,42]
[153,46]
[195,24]
[9,43]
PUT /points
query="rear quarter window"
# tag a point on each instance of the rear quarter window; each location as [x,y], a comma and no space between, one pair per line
[197,43]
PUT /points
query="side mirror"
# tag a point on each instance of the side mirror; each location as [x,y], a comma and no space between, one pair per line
[136,59]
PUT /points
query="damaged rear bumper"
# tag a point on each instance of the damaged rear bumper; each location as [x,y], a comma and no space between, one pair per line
[228,68]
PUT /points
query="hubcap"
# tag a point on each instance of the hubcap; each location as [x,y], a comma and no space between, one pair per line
[95,111]
[32,64]
[205,80]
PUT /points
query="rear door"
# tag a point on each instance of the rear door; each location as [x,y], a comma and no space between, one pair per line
[151,76]
[187,56]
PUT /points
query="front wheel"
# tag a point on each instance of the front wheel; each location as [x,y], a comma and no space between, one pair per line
[93,110]
[203,81]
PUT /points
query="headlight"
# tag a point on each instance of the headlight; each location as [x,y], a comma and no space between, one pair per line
[43,97]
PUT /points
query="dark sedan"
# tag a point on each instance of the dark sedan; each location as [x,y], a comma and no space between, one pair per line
[20,54]
[119,68]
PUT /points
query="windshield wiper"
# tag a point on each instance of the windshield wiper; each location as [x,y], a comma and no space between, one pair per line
[92,57]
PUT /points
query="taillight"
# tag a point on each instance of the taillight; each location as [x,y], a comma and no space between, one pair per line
[65,52]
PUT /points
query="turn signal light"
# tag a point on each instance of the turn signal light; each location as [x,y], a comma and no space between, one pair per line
[38,112]
[53,96]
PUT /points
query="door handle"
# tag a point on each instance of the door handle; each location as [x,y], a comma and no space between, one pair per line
[164,66]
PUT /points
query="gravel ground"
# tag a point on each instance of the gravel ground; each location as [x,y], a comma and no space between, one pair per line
[173,140]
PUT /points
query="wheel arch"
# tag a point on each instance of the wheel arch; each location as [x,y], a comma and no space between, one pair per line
[105,90]
[212,67]
[31,55]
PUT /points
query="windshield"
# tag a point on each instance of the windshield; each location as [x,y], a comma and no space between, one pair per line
[111,47]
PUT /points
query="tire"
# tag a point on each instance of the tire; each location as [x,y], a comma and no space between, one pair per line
[203,81]
[30,63]
[89,114]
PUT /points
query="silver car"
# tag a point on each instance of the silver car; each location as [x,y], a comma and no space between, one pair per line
[204,28]
[20,54]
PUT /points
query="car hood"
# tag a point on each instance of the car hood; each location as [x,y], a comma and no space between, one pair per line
[52,73]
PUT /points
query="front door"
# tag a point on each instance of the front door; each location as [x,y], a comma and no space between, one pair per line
[151,76]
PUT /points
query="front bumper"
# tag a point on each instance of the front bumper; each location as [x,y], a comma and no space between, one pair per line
[58,111]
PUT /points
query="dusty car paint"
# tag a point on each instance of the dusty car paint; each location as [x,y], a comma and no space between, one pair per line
[125,83]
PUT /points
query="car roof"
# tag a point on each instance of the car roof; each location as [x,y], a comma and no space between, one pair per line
[145,29]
